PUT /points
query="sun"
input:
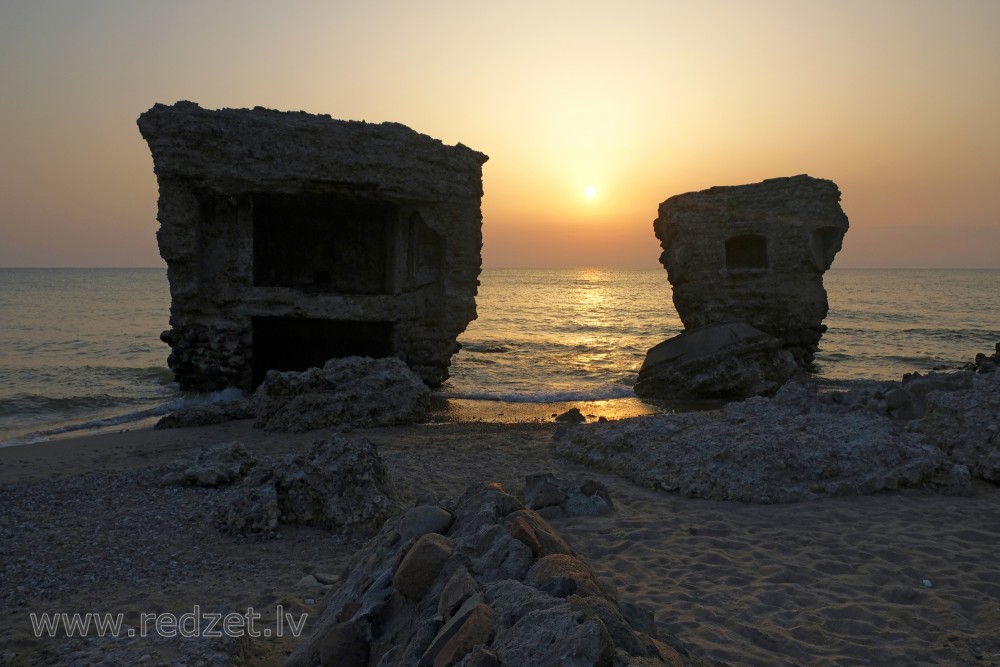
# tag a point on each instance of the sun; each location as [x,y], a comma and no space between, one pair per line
[590,191]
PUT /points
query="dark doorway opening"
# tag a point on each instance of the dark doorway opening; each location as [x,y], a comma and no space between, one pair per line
[320,243]
[295,344]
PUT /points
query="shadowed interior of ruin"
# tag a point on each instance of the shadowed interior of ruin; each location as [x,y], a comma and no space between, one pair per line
[296,344]
[322,243]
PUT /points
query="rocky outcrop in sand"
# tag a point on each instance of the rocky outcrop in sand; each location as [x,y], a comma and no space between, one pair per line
[718,361]
[763,451]
[356,391]
[965,424]
[754,253]
[490,584]
[291,238]
[340,484]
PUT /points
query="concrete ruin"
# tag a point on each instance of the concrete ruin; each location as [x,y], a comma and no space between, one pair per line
[754,253]
[292,238]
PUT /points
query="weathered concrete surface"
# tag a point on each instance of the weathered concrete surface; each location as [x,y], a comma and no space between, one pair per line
[721,361]
[275,224]
[754,253]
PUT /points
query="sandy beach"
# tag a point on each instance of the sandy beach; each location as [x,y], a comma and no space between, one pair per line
[901,578]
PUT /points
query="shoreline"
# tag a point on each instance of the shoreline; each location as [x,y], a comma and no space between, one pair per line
[834,581]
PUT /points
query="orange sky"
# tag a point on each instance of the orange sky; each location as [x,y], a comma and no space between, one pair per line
[896,101]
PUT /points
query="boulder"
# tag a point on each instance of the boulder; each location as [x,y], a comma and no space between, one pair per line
[354,391]
[421,565]
[340,484]
[718,361]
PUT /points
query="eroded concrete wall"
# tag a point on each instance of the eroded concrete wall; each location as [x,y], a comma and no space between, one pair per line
[754,253]
[291,238]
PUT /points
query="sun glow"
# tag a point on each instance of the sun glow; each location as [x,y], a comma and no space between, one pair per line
[590,191]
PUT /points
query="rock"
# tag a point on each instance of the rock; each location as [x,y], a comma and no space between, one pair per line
[459,588]
[574,497]
[965,424]
[339,484]
[291,238]
[732,360]
[571,416]
[479,598]
[421,565]
[561,575]
[470,626]
[218,465]
[425,519]
[754,253]
[344,645]
[764,451]
[356,391]
[528,527]
[557,635]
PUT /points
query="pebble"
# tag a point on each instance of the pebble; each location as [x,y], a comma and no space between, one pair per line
[927,583]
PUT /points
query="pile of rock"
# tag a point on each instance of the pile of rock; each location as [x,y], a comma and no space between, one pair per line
[484,583]
[340,484]
[763,451]
[349,391]
[937,430]
[356,391]
[553,497]
[965,424]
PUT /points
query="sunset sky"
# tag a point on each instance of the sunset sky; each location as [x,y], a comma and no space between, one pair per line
[898,102]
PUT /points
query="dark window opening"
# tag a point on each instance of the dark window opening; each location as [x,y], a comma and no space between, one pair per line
[296,344]
[322,244]
[746,252]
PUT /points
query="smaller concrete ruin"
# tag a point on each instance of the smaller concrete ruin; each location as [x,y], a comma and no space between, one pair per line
[754,253]
[291,239]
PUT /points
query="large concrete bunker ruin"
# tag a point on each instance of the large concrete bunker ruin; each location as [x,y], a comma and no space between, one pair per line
[292,238]
[754,253]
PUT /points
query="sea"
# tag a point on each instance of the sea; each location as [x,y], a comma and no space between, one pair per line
[80,349]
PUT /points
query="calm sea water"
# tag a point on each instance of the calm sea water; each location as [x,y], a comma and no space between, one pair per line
[80,348]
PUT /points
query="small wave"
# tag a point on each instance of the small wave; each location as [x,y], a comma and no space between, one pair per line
[486,348]
[28,404]
[602,393]
[223,395]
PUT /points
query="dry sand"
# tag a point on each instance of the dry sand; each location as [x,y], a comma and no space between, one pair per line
[832,582]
